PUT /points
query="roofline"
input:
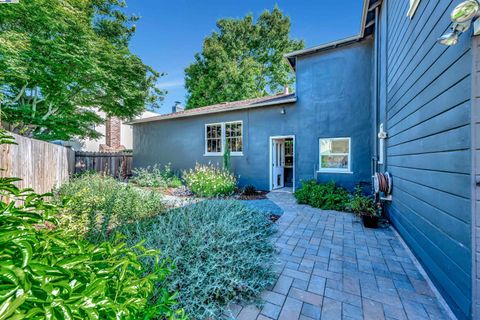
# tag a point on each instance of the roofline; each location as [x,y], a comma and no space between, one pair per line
[336,43]
[211,111]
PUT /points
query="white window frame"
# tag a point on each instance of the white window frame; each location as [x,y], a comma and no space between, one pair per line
[223,138]
[335,170]
[413,8]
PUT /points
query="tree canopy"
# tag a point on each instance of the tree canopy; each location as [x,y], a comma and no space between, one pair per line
[244,59]
[59,59]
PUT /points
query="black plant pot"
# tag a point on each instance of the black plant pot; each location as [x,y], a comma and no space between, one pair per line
[370,222]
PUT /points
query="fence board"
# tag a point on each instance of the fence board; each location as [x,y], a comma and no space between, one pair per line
[116,164]
[41,165]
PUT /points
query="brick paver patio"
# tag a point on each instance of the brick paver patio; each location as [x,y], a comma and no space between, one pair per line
[330,267]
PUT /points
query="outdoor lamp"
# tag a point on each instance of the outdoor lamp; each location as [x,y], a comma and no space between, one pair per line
[462,17]
[465,11]
[449,39]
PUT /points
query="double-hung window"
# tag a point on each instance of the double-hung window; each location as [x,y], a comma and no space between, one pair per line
[213,138]
[219,135]
[335,155]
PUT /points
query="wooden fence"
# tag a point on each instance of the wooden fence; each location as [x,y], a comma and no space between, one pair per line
[118,165]
[41,165]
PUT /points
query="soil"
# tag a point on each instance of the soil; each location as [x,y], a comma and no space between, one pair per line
[259,195]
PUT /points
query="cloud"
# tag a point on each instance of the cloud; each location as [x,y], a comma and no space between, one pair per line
[171,84]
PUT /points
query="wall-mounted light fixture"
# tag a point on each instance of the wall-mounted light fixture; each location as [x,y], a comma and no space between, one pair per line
[462,17]
[283,110]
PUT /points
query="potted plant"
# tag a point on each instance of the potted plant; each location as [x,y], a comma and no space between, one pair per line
[366,208]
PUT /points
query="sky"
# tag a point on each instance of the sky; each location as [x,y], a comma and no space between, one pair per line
[169,33]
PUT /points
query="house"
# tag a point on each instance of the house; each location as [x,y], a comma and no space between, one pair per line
[116,135]
[389,99]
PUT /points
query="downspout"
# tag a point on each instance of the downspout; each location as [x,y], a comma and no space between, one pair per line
[376,95]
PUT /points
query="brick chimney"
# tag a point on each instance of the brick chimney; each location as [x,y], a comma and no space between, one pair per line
[113,134]
[177,107]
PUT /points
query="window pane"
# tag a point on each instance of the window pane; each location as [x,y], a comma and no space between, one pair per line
[334,162]
[239,144]
[339,146]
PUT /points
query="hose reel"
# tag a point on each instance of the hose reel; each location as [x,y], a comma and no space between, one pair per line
[382,183]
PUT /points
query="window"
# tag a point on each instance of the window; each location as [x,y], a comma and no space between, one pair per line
[233,134]
[413,7]
[214,138]
[335,155]
[219,134]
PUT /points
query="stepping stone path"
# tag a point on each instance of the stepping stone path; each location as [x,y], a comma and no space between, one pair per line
[331,267]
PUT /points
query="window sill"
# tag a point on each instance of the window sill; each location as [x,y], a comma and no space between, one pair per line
[335,171]
[221,154]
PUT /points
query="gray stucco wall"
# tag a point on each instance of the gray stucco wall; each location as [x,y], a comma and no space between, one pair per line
[426,106]
[333,100]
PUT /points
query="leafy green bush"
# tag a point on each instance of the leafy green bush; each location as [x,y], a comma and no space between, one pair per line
[210,181]
[99,204]
[362,205]
[326,196]
[221,251]
[156,177]
[47,273]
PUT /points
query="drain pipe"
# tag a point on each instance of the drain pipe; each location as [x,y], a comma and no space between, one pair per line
[376,95]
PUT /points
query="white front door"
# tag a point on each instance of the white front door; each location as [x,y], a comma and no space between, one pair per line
[278,163]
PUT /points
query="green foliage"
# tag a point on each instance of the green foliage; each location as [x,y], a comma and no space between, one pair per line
[363,205]
[47,273]
[156,177]
[210,181]
[326,196]
[40,96]
[249,190]
[221,250]
[243,59]
[226,157]
[99,204]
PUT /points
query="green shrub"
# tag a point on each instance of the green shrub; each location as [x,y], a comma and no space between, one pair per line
[98,204]
[47,273]
[221,251]
[362,205]
[156,177]
[210,181]
[326,196]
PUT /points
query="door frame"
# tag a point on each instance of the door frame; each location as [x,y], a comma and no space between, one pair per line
[270,144]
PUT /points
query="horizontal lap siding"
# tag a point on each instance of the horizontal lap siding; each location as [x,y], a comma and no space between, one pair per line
[428,114]
[476,171]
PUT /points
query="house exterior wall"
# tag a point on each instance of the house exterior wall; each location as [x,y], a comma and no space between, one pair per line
[333,100]
[425,103]
[476,176]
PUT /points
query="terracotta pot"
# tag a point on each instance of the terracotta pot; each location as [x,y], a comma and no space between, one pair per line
[370,222]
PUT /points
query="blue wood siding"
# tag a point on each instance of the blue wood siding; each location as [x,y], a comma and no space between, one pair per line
[425,103]
[476,176]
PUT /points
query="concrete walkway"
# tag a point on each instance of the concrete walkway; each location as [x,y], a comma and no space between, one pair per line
[330,267]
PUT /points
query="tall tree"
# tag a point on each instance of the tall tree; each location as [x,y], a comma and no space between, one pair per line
[244,59]
[59,59]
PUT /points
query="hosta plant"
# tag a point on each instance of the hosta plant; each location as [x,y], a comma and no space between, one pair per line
[210,181]
[47,273]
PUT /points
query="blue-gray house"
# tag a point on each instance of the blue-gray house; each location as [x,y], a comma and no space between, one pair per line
[393,78]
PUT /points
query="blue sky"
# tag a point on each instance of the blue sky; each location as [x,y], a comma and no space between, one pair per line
[169,33]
